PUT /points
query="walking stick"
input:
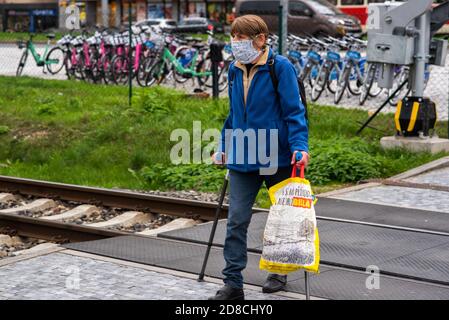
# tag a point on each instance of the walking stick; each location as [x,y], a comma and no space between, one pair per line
[214,226]
[307,287]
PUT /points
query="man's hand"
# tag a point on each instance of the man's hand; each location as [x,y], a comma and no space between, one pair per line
[304,160]
[219,158]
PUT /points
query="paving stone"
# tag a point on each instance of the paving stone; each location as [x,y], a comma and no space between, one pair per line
[423,199]
[27,279]
[437,177]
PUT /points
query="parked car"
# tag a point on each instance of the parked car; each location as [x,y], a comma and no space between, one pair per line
[164,24]
[199,25]
[305,17]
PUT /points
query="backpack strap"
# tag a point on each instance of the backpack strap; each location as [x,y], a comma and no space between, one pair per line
[302,90]
[273,76]
[231,75]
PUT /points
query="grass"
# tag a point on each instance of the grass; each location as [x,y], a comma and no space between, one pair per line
[78,133]
[38,37]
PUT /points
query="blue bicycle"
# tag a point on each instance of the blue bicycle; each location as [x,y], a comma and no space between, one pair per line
[352,75]
[294,53]
[330,69]
[314,61]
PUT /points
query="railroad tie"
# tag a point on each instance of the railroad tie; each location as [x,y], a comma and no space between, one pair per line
[180,223]
[9,241]
[84,210]
[35,206]
[125,220]
[6,197]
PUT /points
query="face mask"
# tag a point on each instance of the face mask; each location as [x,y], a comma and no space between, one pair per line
[244,51]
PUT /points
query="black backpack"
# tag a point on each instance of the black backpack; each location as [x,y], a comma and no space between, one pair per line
[274,79]
[302,89]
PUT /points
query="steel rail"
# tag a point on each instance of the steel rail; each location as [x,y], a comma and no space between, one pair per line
[112,198]
[194,209]
[59,232]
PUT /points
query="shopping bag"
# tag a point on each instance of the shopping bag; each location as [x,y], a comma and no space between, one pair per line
[290,239]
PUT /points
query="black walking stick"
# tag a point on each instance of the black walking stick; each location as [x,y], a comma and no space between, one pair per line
[214,226]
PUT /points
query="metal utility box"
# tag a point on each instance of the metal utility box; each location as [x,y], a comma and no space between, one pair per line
[438,52]
[391,49]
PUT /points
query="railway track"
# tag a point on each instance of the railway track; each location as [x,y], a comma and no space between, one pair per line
[62,213]
[20,220]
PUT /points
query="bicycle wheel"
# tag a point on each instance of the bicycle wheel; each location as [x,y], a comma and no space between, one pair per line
[120,69]
[22,62]
[79,69]
[86,69]
[320,83]
[354,85]
[144,67]
[399,78]
[305,72]
[55,60]
[96,71]
[332,79]
[106,72]
[367,85]
[375,89]
[68,65]
[155,74]
[342,84]
[206,65]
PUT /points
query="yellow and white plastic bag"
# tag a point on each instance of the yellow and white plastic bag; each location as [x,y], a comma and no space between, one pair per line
[291,240]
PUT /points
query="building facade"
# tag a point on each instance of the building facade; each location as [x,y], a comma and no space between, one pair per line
[40,15]
[28,15]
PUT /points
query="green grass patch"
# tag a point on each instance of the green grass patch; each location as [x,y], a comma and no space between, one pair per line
[37,37]
[74,132]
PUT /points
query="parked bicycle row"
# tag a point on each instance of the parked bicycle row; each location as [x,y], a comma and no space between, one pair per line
[339,66]
[151,56]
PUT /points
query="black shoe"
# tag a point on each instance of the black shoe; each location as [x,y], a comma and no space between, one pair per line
[228,293]
[274,282]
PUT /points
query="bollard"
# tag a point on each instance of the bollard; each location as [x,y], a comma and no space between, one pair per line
[216,56]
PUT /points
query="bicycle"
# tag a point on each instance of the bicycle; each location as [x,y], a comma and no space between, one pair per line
[314,61]
[352,76]
[370,87]
[330,70]
[167,63]
[53,59]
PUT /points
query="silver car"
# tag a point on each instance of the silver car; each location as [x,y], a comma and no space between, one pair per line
[165,24]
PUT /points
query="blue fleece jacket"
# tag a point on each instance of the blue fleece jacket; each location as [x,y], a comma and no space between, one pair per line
[264,109]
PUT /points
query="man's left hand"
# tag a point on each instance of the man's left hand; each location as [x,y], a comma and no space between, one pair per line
[304,161]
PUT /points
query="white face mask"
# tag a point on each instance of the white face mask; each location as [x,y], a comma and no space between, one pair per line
[244,51]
